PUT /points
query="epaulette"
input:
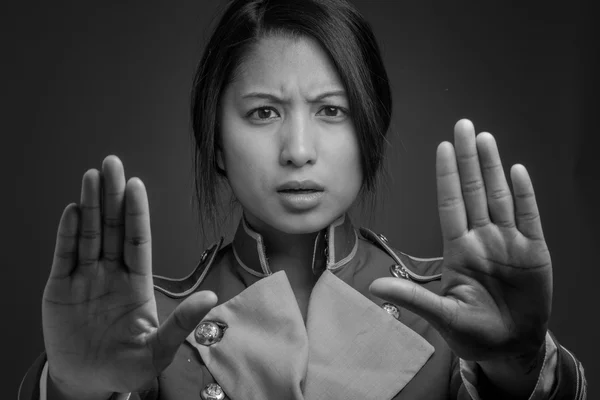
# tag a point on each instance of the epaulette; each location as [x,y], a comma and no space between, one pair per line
[182,287]
[405,265]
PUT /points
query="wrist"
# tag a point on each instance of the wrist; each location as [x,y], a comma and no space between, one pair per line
[58,389]
[516,377]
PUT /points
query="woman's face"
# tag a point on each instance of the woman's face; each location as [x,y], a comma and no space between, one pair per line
[284,120]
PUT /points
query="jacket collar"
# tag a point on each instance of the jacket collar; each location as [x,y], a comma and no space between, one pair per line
[333,248]
[350,348]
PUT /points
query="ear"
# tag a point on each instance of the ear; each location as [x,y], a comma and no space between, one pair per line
[220,160]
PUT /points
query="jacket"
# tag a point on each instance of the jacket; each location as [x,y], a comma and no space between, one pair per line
[254,344]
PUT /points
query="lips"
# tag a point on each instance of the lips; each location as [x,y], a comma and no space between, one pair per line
[300,187]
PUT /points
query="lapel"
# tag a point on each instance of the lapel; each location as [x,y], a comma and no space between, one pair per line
[356,349]
[349,348]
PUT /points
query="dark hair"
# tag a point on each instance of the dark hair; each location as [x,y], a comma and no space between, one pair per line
[343,34]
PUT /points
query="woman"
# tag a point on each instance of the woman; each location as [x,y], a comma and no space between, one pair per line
[291,108]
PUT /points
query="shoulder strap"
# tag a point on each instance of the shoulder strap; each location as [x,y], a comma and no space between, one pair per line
[405,265]
[182,287]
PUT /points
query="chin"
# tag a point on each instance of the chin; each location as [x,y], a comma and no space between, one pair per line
[304,223]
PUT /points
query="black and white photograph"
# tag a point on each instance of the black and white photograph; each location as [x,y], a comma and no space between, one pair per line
[300,200]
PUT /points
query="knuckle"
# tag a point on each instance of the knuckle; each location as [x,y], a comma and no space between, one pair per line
[414,295]
[450,202]
[67,235]
[449,316]
[466,157]
[90,234]
[66,255]
[472,186]
[137,241]
[499,194]
[180,319]
[495,167]
[88,262]
[480,221]
[505,223]
[445,173]
[112,256]
[111,222]
[525,196]
[527,216]
[135,213]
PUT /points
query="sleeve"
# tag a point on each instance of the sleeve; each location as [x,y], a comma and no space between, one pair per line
[561,377]
[34,385]
[30,388]
[43,382]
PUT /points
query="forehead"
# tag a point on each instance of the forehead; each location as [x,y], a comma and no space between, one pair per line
[285,65]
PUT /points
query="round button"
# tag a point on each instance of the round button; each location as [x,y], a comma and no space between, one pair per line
[209,332]
[203,256]
[399,272]
[391,309]
[212,391]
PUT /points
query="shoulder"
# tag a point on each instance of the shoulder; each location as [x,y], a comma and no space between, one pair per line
[402,265]
[169,292]
[180,288]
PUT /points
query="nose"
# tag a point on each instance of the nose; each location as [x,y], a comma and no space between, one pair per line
[298,142]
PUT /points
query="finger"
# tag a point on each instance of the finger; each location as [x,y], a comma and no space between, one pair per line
[453,217]
[183,320]
[113,224]
[137,250]
[527,214]
[90,235]
[499,198]
[471,181]
[441,312]
[65,250]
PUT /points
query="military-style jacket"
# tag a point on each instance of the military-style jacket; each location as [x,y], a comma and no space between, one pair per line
[255,343]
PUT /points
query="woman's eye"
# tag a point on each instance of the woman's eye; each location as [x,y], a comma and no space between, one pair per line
[263,114]
[332,111]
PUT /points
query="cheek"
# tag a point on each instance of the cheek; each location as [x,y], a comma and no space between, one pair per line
[233,146]
[343,168]
[247,163]
[346,154]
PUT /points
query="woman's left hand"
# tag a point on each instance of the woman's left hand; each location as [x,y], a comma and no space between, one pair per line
[496,288]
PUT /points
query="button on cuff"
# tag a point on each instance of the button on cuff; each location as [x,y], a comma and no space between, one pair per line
[212,391]
[209,332]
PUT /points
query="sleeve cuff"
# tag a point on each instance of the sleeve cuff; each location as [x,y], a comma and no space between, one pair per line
[469,372]
[570,375]
[43,381]
[44,387]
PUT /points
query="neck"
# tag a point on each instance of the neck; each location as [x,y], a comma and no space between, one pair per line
[292,253]
[261,250]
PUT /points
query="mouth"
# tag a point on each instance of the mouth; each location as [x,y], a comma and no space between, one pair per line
[300,187]
[300,197]
[299,191]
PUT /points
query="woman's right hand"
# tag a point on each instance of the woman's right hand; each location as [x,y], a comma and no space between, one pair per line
[100,323]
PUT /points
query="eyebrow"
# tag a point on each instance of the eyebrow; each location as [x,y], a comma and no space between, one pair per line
[275,99]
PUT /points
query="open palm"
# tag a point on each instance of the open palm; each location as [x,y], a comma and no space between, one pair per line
[496,290]
[100,322]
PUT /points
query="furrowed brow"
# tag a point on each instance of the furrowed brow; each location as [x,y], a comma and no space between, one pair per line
[325,95]
[275,99]
[265,96]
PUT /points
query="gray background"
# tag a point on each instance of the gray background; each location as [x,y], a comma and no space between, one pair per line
[82,81]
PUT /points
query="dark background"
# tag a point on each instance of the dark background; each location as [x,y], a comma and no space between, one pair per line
[81,81]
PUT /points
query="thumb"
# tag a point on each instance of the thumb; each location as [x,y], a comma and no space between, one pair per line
[172,333]
[437,310]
